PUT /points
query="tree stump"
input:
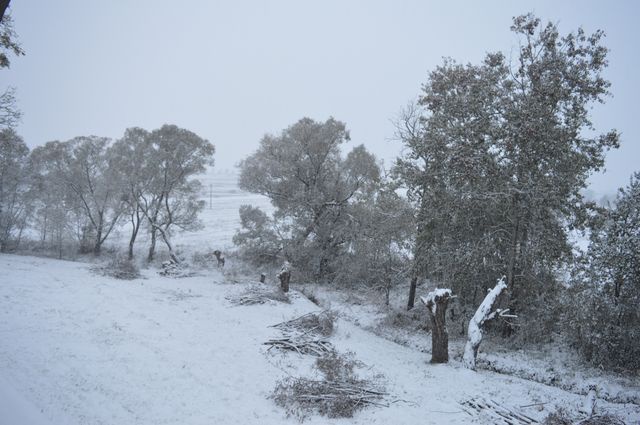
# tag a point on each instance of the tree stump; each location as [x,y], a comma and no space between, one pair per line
[285,276]
[437,302]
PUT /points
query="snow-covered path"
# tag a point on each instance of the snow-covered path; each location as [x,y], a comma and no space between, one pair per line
[86,349]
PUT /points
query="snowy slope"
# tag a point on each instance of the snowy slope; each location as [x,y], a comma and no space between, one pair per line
[85,349]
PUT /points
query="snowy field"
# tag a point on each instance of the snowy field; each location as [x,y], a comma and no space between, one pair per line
[80,348]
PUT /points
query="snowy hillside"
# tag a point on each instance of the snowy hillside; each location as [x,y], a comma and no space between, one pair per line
[81,348]
[85,349]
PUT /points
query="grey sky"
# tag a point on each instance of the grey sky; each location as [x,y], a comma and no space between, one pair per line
[232,71]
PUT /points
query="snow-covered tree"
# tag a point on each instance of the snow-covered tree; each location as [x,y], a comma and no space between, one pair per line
[13,187]
[497,154]
[80,166]
[603,306]
[484,313]
[312,188]
[173,156]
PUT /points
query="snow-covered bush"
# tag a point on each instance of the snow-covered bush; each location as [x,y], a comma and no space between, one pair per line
[120,267]
[258,243]
[603,313]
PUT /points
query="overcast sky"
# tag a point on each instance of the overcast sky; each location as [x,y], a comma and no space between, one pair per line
[232,71]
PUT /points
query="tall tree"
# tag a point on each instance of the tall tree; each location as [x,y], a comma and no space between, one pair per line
[174,156]
[602,308]
[129,159]
[311,186]
[13,186]
[9,113]
[497,155]
[81,167]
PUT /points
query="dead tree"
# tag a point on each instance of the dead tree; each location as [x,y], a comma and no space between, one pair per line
[437,302]
[285,276]
[482,315]
[219,257]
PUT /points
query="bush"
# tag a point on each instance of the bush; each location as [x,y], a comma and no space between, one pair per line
[120,267]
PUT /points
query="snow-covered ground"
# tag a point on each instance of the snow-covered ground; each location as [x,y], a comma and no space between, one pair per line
[81,348]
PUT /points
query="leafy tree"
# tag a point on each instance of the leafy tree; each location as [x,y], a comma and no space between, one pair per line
[129,157]
[497,154]
[9,114]
[312,187]
[80,167]
[8,41]
[258,236]
[603,303]
[379,239]
[13,201]
[170,197]
[53,205]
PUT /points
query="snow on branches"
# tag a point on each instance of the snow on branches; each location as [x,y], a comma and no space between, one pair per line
[483,313]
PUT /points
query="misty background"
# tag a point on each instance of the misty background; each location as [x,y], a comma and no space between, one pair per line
[233,71]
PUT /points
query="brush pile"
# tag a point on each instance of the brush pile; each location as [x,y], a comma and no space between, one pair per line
[338,395]
[306,334]
[259,294]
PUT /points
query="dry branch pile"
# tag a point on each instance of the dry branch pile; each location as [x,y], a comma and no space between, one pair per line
[258,294]
[176,270]
[315,347]
[306,334]
[499,414]
[321,323]
[332,399]
[338,395]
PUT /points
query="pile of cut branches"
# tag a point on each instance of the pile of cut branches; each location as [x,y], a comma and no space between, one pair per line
[258,294]
[301,345]
[499,414]
[176,270]
[318,323]
[338,395]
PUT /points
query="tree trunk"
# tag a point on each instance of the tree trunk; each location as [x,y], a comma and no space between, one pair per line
[285,276]
[98,245]
[474,333]
[167,242]
[412,292]
[437,302]
[3,7]
[135,226]
[152,247]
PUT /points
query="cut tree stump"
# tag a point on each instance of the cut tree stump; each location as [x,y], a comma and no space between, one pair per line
[437,302]
[285,276]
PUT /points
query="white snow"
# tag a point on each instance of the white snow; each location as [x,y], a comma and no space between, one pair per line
[430,299]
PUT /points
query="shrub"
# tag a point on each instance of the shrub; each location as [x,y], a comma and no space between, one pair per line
[120,267]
